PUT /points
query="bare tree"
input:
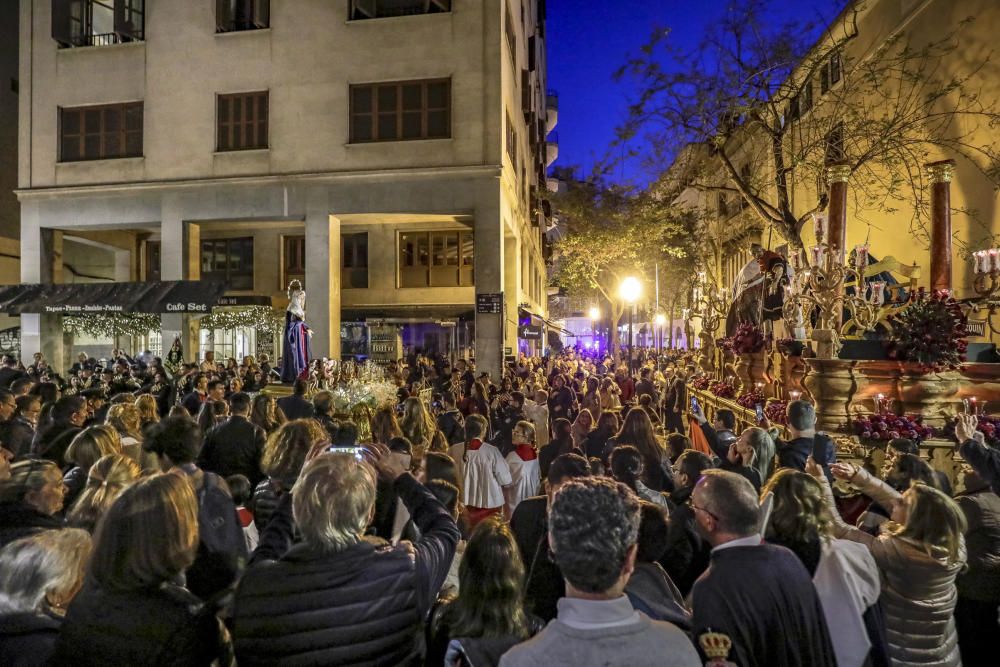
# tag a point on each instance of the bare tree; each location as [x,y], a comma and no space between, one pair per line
[770,109]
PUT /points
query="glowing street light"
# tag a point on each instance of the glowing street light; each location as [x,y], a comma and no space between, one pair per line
[630,290]
[660,319]
[595,313]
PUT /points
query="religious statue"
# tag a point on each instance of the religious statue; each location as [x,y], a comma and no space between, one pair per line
[759,291]
[295,360]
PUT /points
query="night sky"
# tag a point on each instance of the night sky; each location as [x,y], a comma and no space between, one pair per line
[588,40]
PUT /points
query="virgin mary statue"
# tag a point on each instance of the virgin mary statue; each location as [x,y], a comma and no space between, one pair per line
[295,360]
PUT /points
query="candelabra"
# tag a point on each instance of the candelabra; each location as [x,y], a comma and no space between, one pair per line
[820,286]
[709,305]
[986,269]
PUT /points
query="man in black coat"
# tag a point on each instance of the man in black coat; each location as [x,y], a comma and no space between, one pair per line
[544,583]
[68,416]
[687,553]
[9,371]
[758,595]
[805,441]
[450,421]
[337,580]
[296,406]
[236,446]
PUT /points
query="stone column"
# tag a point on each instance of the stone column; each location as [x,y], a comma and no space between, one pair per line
[512,269]
[41,262]
[837,176]
[322,284]
[180,254]
[489,278]
[940,175]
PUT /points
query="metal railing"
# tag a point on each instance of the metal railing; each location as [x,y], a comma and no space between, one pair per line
[103,39]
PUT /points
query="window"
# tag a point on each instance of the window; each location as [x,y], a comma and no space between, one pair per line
[510,140]
[354,258]
[835,68]
[401,111]
[824,79]
[97,22]
[293,259]
[100,132]
[807,95]
[377,9]
[436,259]
[152,260]
[510,35]
[242,121]
[228,260]
[238,15]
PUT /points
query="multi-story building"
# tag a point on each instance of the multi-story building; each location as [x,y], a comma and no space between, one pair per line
[390,154]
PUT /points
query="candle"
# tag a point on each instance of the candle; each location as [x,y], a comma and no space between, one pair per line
[817,251]
[795,395]
[701,277]
[978,261]
[878,294]
[878,403]
[861,258]
[819,226]
[994,259]
[975,408]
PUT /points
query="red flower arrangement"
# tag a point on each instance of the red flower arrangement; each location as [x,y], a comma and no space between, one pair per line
[889,426]
[701,382]
[988,424]
[747,339]
[722,388]
[751,399]
[930,331]
[775,412]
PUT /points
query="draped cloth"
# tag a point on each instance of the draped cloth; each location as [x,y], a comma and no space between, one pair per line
[295,360]
[698,440]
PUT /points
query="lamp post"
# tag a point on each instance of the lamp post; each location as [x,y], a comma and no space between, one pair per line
[595,315]
[661,320]
[629,291]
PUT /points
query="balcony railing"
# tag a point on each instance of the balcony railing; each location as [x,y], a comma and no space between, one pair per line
[105,39]
[377,9]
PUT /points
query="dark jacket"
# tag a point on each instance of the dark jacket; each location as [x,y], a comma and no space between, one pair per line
[18,520]
[16,435]
[687,554]
[8,375]
[452,425]
[984,460]
[363,605]
[981,579]
[192,403]
[265,501]
[166,625]
[27,639]
[234,447]
[793,454]
[295,407]
[544,583]
[52,443]
[756,594]
[719,441]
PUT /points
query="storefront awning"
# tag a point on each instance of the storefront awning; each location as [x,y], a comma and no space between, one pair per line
[176,296]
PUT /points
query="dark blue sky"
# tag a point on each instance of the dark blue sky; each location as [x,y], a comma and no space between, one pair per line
[588,40]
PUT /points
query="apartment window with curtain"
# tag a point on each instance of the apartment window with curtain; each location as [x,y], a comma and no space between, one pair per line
[293,259]
[228,260]
[400,111]
[97,22]
[242,121]
[436,259]
[240,15]
[100,132]
[354,260]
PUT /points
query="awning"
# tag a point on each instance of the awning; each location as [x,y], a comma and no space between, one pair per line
[176,296]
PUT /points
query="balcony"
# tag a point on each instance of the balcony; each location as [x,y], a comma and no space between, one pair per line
[362,10]
[551,148]
[82,23]
[551,110]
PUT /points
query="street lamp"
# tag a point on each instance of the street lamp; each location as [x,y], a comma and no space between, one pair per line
[629,291]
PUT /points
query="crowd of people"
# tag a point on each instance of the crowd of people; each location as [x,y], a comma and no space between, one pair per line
[560,514]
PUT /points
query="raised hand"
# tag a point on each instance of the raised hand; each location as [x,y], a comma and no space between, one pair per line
[843,471]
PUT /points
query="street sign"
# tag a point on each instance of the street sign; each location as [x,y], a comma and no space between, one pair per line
[490,303]
[529,332]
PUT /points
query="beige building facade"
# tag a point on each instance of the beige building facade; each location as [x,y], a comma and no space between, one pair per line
[388,153]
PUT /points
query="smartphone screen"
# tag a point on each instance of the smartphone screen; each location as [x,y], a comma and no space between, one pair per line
[760,412]
[694,403]
[333,449]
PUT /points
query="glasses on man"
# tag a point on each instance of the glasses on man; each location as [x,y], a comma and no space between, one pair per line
[691,504]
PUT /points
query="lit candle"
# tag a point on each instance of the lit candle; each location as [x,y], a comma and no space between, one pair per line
[975,407]
[978,259]
[878,403]
[795,395]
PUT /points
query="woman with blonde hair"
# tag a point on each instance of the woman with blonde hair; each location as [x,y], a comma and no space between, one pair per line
[919,553]
[30,499]
[385,426]
[108,477]
[284,453]
[582,427]
[148,411]
[127,420]
[39,576]
[143,544]
[417,425]
[795,515]
[84,450]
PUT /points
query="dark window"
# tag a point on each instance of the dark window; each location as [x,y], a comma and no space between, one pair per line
[354,258]
[807,95]
[510,35]
[97,22]
[436,259]
[511,141]
[152,261]
[834,68]
[237,15]
[377,9]
[100,132]
[229,260]
[242,121]
[793,108]
[401,111]
[293,259]
[835,145]
[824,79]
